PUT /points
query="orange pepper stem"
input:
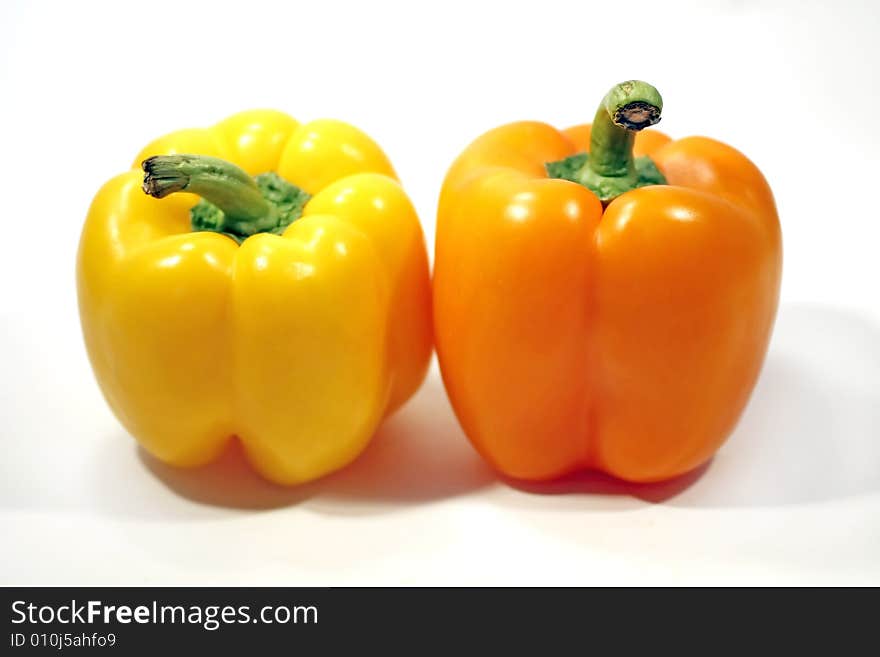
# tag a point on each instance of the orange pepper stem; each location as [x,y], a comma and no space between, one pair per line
[626,109]
[610,169]
[233,203]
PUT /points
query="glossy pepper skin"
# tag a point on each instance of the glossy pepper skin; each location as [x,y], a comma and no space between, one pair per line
[298,344]
[625,339]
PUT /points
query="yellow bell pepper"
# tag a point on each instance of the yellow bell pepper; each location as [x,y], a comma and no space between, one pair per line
[292,311]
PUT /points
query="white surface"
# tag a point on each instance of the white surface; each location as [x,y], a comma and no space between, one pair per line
[793,497]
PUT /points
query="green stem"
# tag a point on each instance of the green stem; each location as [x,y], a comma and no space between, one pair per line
[626,109]
[219,182]
[610,169]
[232,203]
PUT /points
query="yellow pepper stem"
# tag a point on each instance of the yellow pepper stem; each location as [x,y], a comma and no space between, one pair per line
[232,203]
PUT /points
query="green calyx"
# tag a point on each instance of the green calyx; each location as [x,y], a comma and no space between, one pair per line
[610,169]
[233,203]
[577,169]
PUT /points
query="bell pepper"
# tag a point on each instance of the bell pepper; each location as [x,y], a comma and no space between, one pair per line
[290,310]
[603,297]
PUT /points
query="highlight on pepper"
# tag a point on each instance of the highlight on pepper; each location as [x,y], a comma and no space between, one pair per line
[603,295]
[260,280]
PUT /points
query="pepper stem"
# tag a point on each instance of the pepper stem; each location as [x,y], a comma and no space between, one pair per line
[610,169]
[626,109]
[232,203]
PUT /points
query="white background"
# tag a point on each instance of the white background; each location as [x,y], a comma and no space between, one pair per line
[793,497]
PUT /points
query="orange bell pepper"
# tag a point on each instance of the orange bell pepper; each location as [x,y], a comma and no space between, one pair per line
[608,311]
